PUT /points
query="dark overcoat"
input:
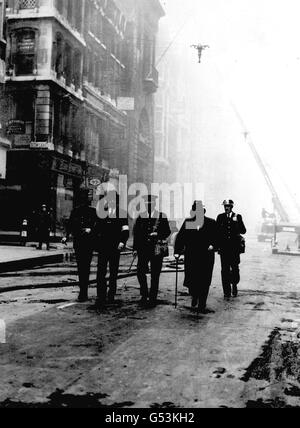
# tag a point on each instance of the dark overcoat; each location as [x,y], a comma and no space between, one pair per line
[194,243]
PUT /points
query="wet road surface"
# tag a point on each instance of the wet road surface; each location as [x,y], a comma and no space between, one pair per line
[246,354]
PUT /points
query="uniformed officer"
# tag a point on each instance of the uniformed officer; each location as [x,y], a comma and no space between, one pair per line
[81,225]
[150,228]
[44,223]
[112,233]
[230,227]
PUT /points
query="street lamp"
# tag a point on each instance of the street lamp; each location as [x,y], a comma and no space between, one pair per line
[200,48]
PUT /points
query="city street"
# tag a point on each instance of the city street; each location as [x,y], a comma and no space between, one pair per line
[246,354]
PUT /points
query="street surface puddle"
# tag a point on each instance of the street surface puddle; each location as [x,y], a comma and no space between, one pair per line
[268,404]
[166,405]
[278,370]
[61,400]
[48,302]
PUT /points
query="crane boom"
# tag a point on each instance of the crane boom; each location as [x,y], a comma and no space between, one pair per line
[278,206]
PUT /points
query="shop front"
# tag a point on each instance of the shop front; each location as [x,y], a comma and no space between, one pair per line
[34,178]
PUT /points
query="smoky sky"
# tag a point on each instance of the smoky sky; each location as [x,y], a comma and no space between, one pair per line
[253,60]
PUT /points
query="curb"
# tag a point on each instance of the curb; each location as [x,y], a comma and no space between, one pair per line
[54,285]
[23,264]
[67,284]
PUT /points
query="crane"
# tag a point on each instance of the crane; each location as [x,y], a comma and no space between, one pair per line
[278,206]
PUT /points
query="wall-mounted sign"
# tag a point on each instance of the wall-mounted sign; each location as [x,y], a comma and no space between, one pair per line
[22,140]
[125,103]
[289,229]
[15,127]
[41,145]
[95,182]
[64,166]
[26,42]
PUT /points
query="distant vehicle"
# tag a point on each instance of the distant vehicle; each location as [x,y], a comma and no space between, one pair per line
[267,227]
[286,239]
[267,231]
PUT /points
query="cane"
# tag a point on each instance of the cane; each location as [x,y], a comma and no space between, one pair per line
[128,272]
[133,260]
[176,284]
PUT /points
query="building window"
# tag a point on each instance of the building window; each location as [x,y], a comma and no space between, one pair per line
[24,104]
[27,4]
[58,55]
[60,6]
[68,72]
[77,69]
[24,51]
[70,10]
[78,15]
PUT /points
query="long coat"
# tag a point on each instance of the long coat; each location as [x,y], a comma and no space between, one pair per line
[194,243]
[44,223]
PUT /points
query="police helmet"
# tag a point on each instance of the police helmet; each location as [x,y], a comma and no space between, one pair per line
[228,202]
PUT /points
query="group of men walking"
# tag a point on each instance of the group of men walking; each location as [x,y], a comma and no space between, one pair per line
[198,240]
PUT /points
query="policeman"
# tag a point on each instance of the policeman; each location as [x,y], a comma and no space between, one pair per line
[112,233]
[230,227]
[150,228]
[82,226]
[44,222]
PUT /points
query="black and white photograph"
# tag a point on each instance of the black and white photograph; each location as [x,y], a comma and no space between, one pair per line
[149,207]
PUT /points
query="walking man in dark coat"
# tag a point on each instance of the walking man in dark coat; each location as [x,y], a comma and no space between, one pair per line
[82,226]
[230,228]
[150,228]
[44,223]
[112,233]
[197,240]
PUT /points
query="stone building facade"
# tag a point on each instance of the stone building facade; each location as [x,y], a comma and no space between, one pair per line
[69,66]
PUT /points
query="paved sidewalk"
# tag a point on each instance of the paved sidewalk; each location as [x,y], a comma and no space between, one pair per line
[19,258]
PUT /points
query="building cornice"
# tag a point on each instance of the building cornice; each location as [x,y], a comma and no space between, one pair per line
[102,105]
[45,13]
